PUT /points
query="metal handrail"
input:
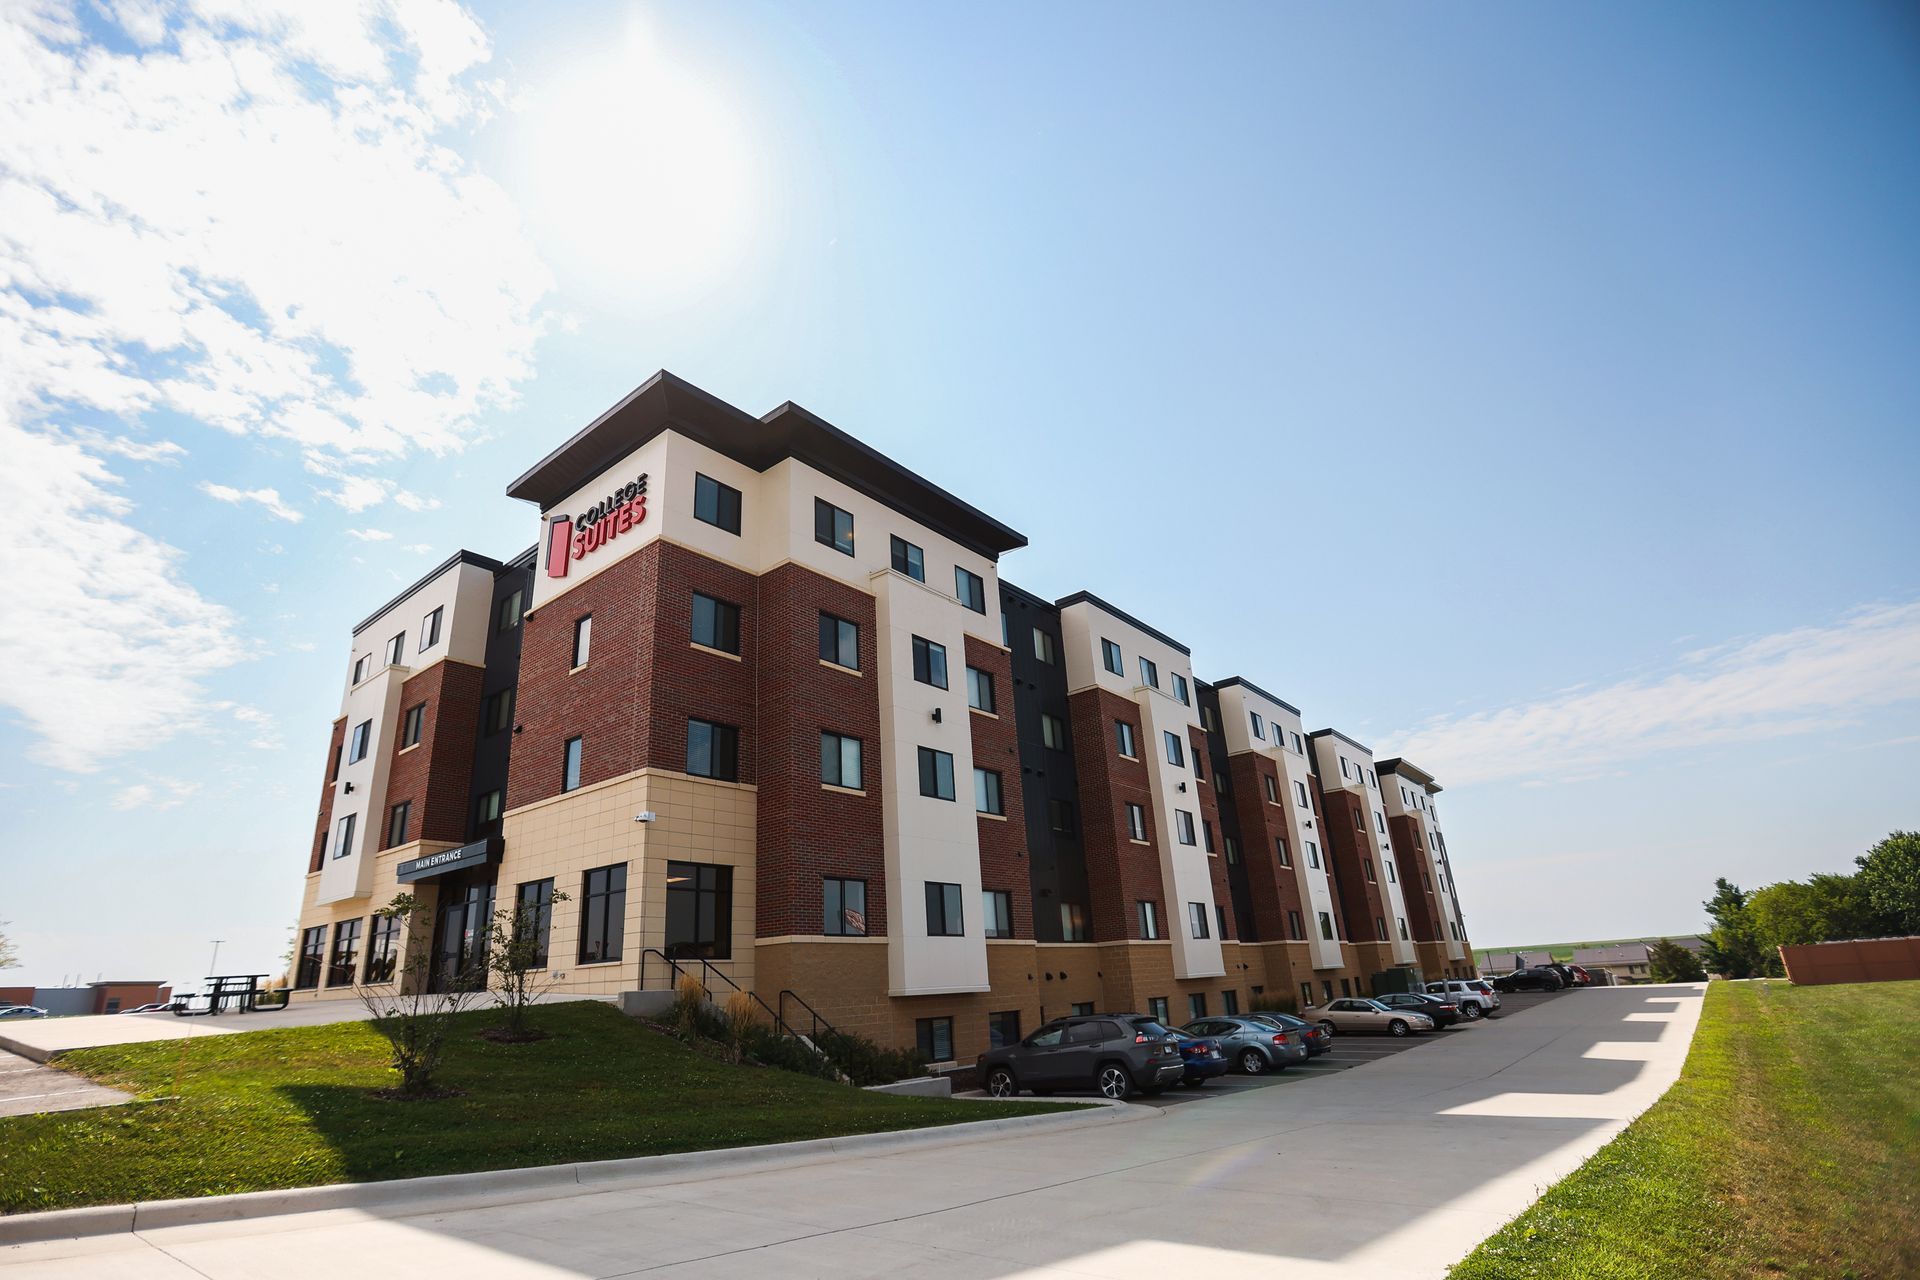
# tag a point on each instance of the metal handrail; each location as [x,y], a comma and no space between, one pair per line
[707,969]
[817,1021]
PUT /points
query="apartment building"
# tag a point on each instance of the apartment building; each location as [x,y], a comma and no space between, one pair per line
[757,701]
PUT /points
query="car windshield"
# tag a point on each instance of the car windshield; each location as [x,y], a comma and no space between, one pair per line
[1147,1026]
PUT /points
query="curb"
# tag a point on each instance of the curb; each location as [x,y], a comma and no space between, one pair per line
[404,1197]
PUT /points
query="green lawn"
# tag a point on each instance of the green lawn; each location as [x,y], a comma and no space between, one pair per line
[295,1107]
[1790,1146]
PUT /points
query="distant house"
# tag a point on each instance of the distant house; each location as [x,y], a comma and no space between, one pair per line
[1627,961]
[1492,962]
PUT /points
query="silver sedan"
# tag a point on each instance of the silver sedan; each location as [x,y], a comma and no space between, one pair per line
[1357,1013]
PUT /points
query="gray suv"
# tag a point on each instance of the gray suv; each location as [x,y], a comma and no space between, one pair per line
[1111,1054]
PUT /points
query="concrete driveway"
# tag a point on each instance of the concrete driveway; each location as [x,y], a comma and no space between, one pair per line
[1394,1169]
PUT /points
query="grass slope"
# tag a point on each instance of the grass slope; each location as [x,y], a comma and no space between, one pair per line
[1790,1146]
[295,1107]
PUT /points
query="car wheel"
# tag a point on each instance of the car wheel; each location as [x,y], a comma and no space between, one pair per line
[1471,1012]
[1398,1027]
[1252,1061]
[1001,1084]
[1327,1027]
[1113,1081]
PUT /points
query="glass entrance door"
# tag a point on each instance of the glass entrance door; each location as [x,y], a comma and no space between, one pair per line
[460,939]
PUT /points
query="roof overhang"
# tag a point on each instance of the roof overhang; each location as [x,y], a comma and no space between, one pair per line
[1253,688]
[1354,743]
[1410,771]
[1087,597]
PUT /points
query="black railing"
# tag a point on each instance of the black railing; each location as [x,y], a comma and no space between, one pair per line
[708,972]
[815,1023]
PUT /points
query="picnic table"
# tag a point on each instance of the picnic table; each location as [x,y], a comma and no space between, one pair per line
[241,990]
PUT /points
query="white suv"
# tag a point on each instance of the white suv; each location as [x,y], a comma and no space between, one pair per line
[1475,998]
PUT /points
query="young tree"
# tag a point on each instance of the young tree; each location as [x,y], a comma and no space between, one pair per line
[414,1021]
[1732,947]
[517,957]
[9,956]
[1668,961]
[1890,873]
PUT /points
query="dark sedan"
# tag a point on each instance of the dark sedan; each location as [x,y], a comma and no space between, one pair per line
[1445,1013]
[1204,1059]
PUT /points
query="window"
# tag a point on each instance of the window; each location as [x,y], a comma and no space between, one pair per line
[1379,822]
[343,839]
[1313,855]
[362,736]
[1403,928]
[1359,821]
[1306,995]
[1053,731]
[1043,647]
[986,792]
[533,919]
[832,527]
[1183,826]
[1220,918]
[843,907]
[360,668]
[980,689]
[346,953]
[929,662]
[1232,848]
[996,906]
[1176,754]
[715,503]
[507,616]
[909,559]
[1380,927]
[699,911]
[396,649]
[1136,821]
[1149,673]
[582,639]
[1280,849]
[1110,657]
[313,949]
[1346,989]
[1198,772]
[1295,930]
[943,910]
[1082,1008]
[936,774]
[1300,793]
[840,760]
[1003,1029]
[383,948]
[1259,726]
[496,713]
[1343,768]
[603,914]
[1073,924]
[1366,864]
[1298,749]
[1326,987]
[487,808]
[1197,919]
[934,1037]
[716,623]
[1326,926]
[1060,816]
[430,628]
[1206,834]
[1388,864]
[1157,1009]
[570,764]
[412,724]
[1206,719]
[1123,739]
[970,589]
[1230,1002]
[1197,1005]
[1149,913]
[713,750]
[1273,788]
[1180,690]
[839,642]
[397,818]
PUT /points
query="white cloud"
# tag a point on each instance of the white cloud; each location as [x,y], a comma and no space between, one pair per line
[251,221]
[370,535]
[414,502]
[159,794]
[1770,686]
[420,548]
[268,498]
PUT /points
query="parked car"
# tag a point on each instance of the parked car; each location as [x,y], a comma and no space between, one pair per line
[22,1011]
[1204,1059]
[1475,996]
[1580,976]
[1105,1053]
[1319,1039]
[1361,1013]
[1253,1044]
[1444,1012]
[1568,978]
[1535,979]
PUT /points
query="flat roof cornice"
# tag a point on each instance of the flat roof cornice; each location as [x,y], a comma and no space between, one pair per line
[459,557]
[1408,769]
[1087,597]
[666,402]
[1251,687]
[1357,746]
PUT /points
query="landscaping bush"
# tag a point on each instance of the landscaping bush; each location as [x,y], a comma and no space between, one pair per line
[864,1062]
[769,1048]
[1264,1003]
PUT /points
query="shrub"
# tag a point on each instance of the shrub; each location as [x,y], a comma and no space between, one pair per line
[864,1062]
[769,1048]
[1265,1003]
[690,1016]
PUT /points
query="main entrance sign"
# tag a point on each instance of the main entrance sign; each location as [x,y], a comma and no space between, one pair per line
[569,539]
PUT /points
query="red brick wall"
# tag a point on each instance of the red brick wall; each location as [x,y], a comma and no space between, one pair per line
[1875,960]
[318,857]
[1275,890]
[805,832]
[1003,845]
[1344,848]
[1409,858]
[435,775]
[1207,810]
[1119,873]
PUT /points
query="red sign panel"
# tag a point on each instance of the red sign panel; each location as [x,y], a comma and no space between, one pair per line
[569,539]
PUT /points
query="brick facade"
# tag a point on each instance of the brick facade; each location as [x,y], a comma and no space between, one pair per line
[1121,871]
[1003,844]
[433,775]
[325,821]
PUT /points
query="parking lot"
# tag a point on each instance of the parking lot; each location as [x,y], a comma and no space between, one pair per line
[1349,1051]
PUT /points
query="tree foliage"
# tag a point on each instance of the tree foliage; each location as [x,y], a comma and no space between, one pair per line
[414,1021]
[1890,873]
[1827,908]
[1733,948]
[1668,961]
[9,955]
[517,958]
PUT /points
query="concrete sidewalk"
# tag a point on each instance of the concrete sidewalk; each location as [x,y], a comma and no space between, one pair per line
[27,1088]
[1394,1169]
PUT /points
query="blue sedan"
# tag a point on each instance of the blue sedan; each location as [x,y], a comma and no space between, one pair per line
[1203,1057]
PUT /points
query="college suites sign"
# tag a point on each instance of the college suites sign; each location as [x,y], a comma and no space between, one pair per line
[569,539]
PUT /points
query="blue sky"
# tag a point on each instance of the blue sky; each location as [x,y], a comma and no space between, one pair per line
[1528,389]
